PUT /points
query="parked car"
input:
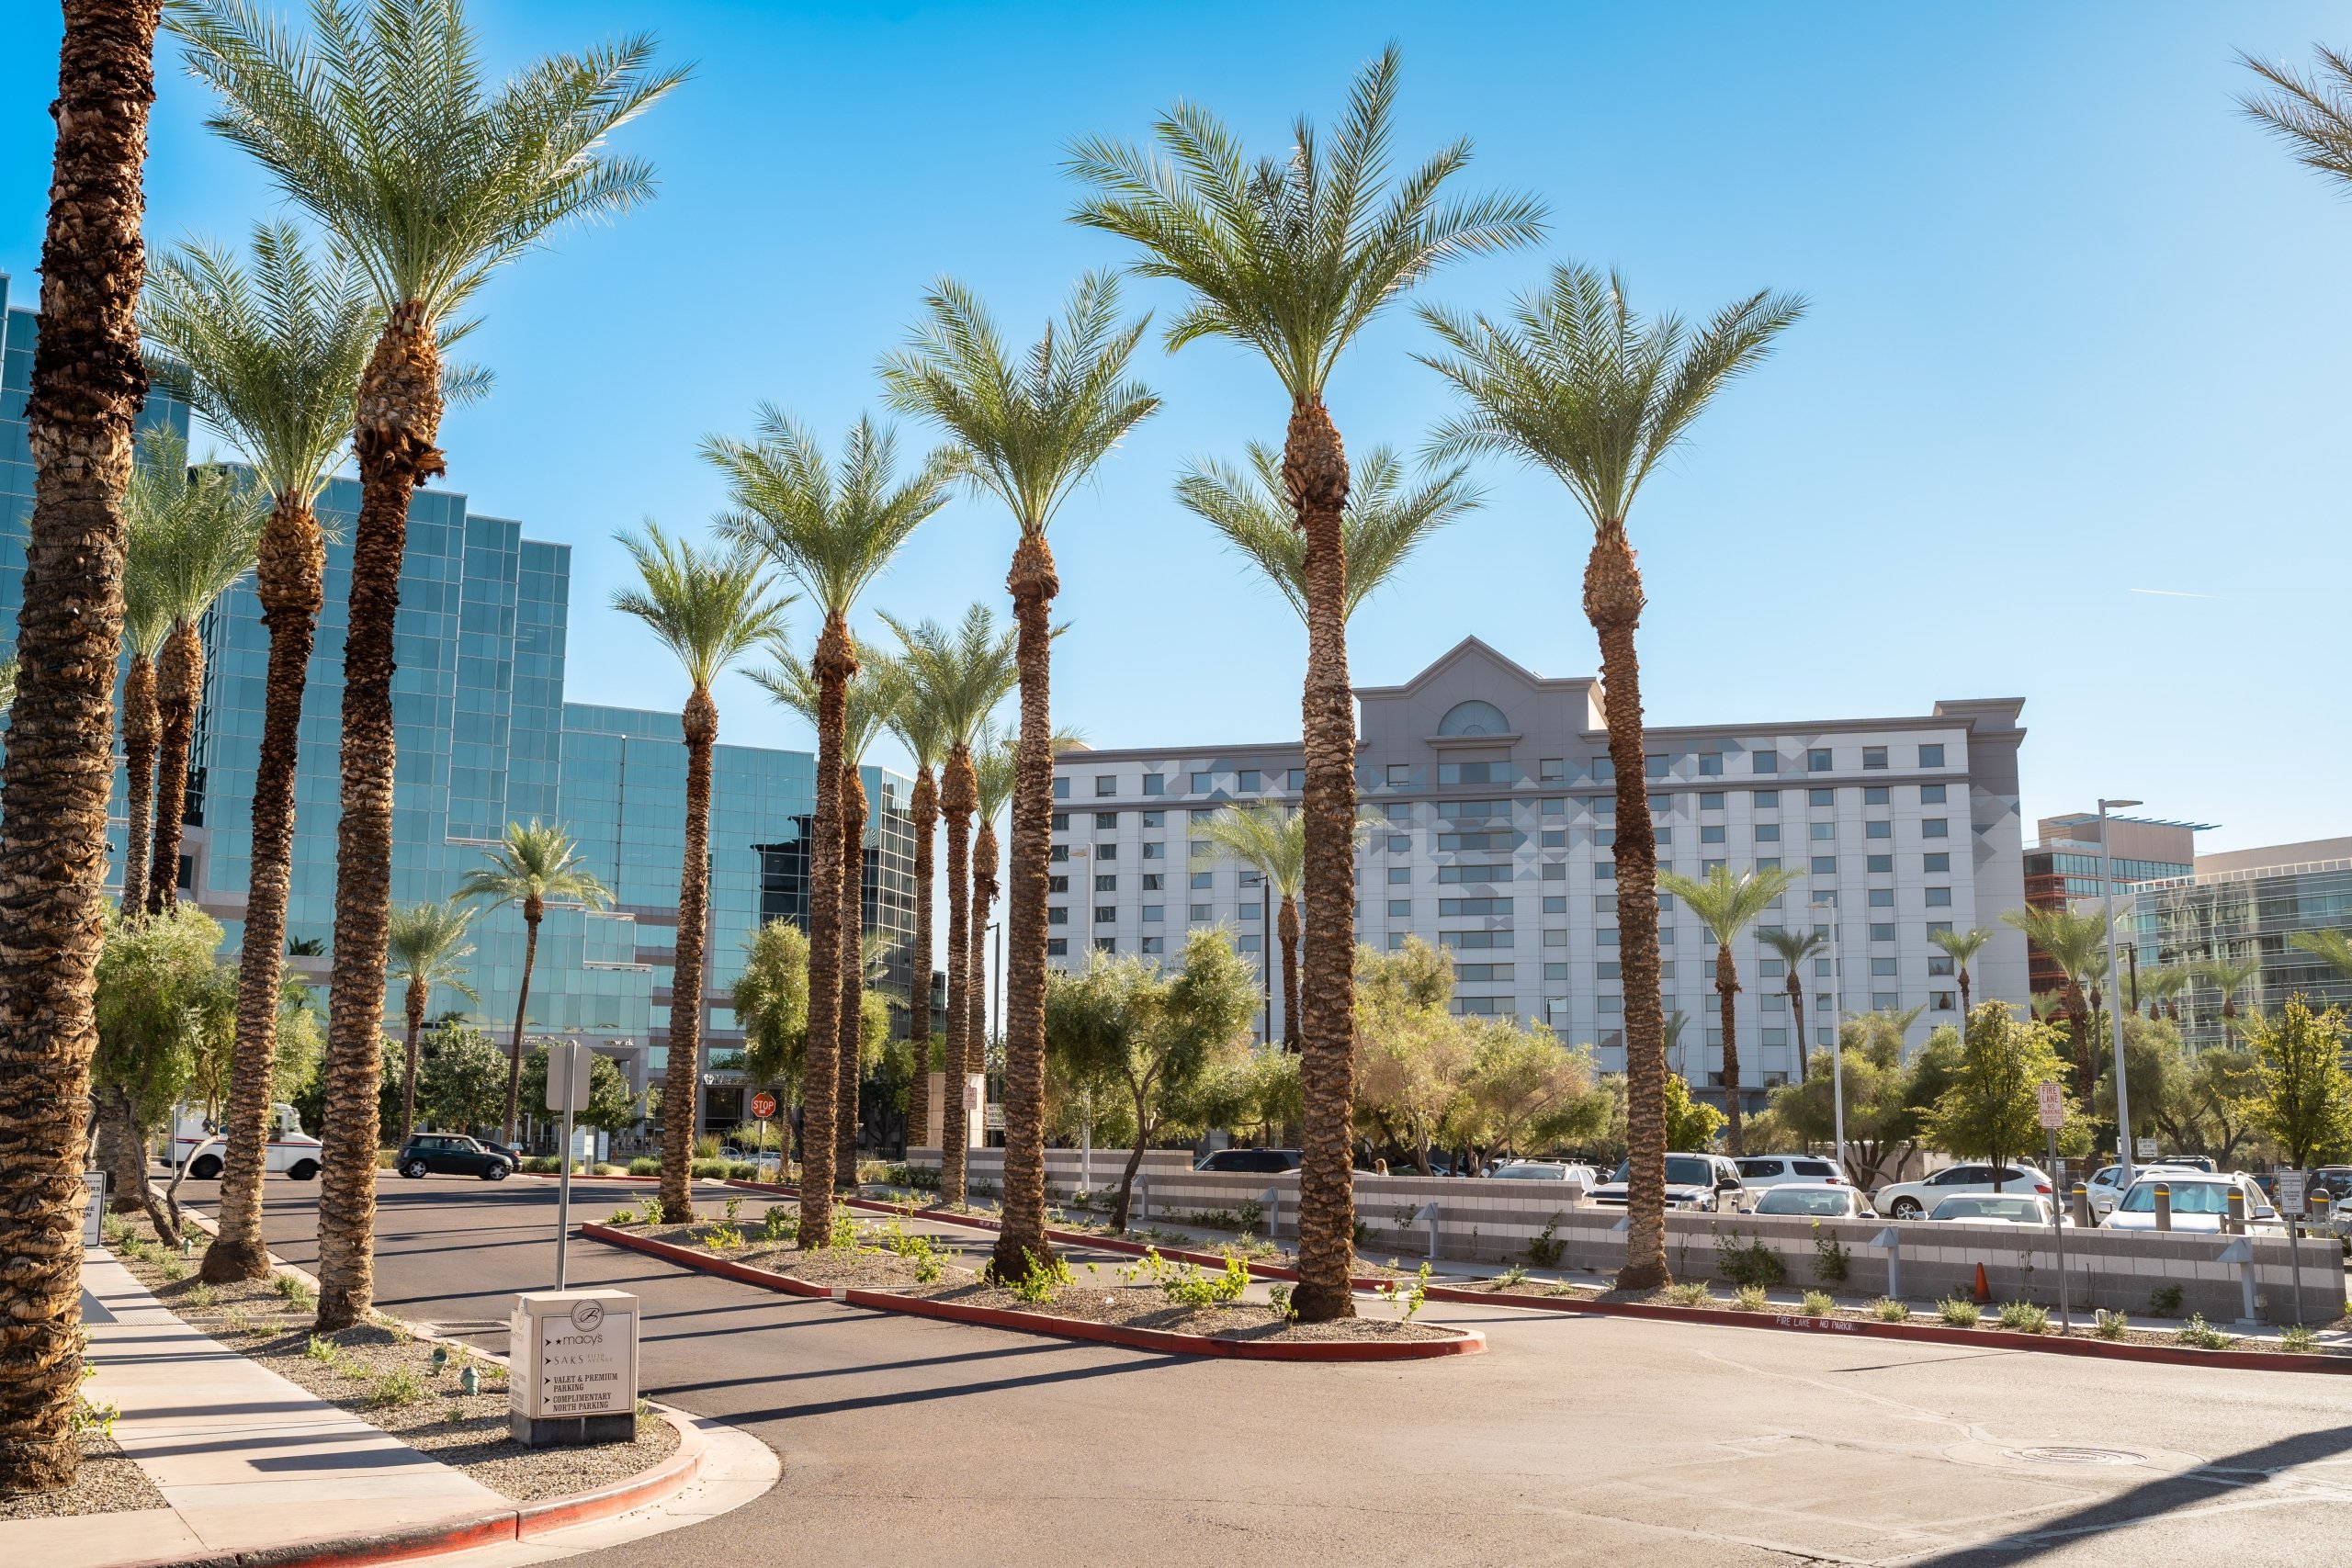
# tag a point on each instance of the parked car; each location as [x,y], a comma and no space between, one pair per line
[2191,1162]
[2199,1202]
[2107,1186]
[290,1149]
[1770,1170]
[1815,1200]
[451,1154]
[1259,1162]
[1912,1199]
[1708,1183]
[1994,1209]
[1582,1178]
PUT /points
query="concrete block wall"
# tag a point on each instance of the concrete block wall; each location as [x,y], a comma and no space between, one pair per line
[1063,1171]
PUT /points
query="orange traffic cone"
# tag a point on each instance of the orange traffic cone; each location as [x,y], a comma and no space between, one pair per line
[1983,1293]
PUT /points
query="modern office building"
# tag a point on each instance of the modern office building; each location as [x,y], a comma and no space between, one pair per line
[487,737]
[2063,866]
[2240,906]
[1495,807]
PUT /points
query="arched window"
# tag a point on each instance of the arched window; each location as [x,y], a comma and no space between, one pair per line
[1473,718]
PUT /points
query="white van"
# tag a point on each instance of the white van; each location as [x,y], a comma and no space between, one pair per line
[292,1152]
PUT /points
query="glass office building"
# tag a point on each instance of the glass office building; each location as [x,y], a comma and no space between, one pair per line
[486,738]
[2240,907]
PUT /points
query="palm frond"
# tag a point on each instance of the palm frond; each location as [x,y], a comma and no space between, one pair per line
[534,861]
[708,607]
[872,695]
[960,677]
[189,534]
[1727,902]
[2312,115]
[425,945]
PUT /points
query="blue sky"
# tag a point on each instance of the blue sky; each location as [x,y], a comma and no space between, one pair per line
[2064,422]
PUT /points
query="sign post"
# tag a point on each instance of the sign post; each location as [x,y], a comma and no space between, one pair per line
[2291,1209]
[763,1107]
[568,1079]
[2054,1116]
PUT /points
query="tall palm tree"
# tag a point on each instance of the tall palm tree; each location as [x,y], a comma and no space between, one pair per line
[270,355]
[918,723]
[1030,429]
[1727,905]
[1962,948]
[1273,842]
[1795,947]
[1575,382]
[832,528]
[996,787]
[709,608]
[2076,945]
[1294,256]
[2312,115]
[533,866]
[384,125]
[2333,948]
[2230,976]
[146,621]
[1384,521]
[427,947]
[87,384]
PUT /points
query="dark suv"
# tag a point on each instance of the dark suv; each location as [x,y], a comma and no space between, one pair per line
[1260,1162]
[450,1153]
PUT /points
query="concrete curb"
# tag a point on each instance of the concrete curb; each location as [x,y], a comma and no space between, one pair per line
[1471,1342]
[1797,1322]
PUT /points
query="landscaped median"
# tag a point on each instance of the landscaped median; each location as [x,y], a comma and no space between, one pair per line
[1155,1305]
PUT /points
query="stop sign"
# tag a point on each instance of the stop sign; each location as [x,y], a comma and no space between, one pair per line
[763,1105]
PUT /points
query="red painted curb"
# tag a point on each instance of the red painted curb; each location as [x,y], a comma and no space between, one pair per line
[1471,1343]
[667,1479]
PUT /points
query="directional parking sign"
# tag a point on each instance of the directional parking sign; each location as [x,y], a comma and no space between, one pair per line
[2053,1108]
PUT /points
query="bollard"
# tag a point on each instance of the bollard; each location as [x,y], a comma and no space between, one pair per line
[1891,1238]
[2164,1207]
[1429,1212]
[2234,1221]
[2241,1252]
[1271,1201]
[2081,1206]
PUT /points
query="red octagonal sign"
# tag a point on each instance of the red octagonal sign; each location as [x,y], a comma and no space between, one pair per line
[763,1105]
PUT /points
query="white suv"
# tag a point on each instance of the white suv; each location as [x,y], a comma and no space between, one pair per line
[1913,1199]
[2104,1189]
[1771,1170]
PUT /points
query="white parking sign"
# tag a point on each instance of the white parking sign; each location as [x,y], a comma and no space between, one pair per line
[2053,1108]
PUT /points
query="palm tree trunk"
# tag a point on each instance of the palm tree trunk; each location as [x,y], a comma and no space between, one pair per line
[1727,987]
[1289,932]
[1963,991]
[975,994]
[412,1014]
[852,975]
[679,1076]
[1796,1008]
[533,912]
[399,417]
[87,382]
[179,680]
[140,723]
[836,662]
[1315,471]
[2078,1022]
[924,809]
[291,575]
[958,797]
[1022,1237]
[1612,602]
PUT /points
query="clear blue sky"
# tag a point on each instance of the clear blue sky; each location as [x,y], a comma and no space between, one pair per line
[2065,422]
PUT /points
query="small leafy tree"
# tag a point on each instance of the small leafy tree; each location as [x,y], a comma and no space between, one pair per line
[163,1004]
[1887,1098]
[464,1079]
[1412,1055]
[771,1006]
[1992,1108]
[1525,1089]
[2303,1096]
[1691,1123]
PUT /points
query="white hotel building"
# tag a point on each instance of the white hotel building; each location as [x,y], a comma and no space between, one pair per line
[1497,804]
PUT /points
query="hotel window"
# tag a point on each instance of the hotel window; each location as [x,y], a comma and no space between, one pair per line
[1659,803]
[1556,838]
[1825,865]
[1200,849]
[1886,1001]
[1876,795]
[1768,862]
[1250,943]
[1556,971]
[1878,830]
[1400,845]
[1058,885]
[1768,800]
[1203,782]
[1552,769]
[1106,783]
[1821,797]
[1155,783]
[1942,1001]
[1155,881]
[1602,838]
[1107,944]
[1934,827]
[1882,897]
[1656,764]
[1610,1004]
[1776,1037]
[1554,870]
[1106,914]
[1400,774]
[1061,821]
[1935,926]
[1884,966]
[1397,940]
[1202,914]
[1940,964]
[1153,914]
[1061,789]
[1605,807]
[1556,903]
[1876,865]
[1104,821]
[1107,851]
[1058,947]
[1605,937]
[1824,831]
[1296,778]
[1155,851]
[1155,818]
[1555,806]
[1057,915]
[1881,930]
[1938,898]
[1711,833]
[1931,794]
[1939,861]
[1400,908]
[1873,757]
[1768,832]
[1707,867]
[1400,875]
[1606,970]
[1711,800]
[1155,944]
[1931,756]
[1249,781]
[1765,762]
[1604,903]
[1771,969]
[1106,885]
[1059,853]
[1203,881]
[1817,760]
[1710,764]
[1398,814]
[1604,871]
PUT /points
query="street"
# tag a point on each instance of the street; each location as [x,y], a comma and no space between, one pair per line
[1575,1440]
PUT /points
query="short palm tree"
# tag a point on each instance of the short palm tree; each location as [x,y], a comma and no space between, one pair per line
[146,622]
[1294,256]
[1727,905]
[917,723]
[533,865]
[426,946]
[708,608]
[1963,947]
[832,528]
[1793,948]
[1384,521]
[2333,948]
[384,127]
[1677,1023]
[87,389]
[2075,943]
[962,676]
[2230,976]
[1030,428]
[269,352]
[201,536]
[1574,382]
[996,789]
[1273,842]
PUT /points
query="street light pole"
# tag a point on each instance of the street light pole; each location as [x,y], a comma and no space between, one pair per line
[1837,1031]
[2114,980]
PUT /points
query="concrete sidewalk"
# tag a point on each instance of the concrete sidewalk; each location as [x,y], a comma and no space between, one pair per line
[244,1458]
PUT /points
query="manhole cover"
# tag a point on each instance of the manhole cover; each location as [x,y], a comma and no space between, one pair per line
[2074,1456]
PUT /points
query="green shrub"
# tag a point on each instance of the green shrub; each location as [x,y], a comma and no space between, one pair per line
[200,1294]
[707,1146]
[733,1206]
[1278,1297]
[2202,1335]
[742,1170]
[321,1349]
[1414,1292]
[1818,1304]
[1750,1262]
[543,1164]
[2111,1324]
[624,1215]
[1045,1278]
[1361,1234]
[1831,1265]
[396,1388]
[2165,1303]
[644,1165]
[708,1170]
[2025,1318]
[1546,1251]
[1958,1312]
[780,1225]
[1689,1295]
[723,1238]
[1514,1275]
[174,1269]
[1886,1309]
[2297,1339]
[1750,1298]
[297,1293]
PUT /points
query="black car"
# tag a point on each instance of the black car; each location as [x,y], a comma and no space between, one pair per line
[1261,1162]
[450,1154]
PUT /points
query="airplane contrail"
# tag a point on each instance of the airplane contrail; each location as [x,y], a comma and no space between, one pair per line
[2180,593]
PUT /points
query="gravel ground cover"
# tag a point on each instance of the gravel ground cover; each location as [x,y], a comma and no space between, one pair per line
[108,1483]
[383,1372]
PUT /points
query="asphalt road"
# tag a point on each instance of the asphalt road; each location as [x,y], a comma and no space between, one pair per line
[1573,1440]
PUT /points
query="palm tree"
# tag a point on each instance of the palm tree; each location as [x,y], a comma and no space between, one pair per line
[1273,842]
[1030,431]
[427,947]
[2333,948]
[86,388]
[533,866]
[709,608]
[2229,977]
[1383,523]
[2076,945]
[833,529]
[2312,115]
[145,622]
[961,677]
[384,127]
[1294,256]
[1727,905]
[917,722]
[1575,382]
[270,355]
[1794,948]
[1962,948]
[996,787]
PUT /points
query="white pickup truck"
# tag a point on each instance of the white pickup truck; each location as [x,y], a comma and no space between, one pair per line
[292,1152]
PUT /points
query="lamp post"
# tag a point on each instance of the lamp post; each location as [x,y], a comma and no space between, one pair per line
[1837,1029]
[2115,1008]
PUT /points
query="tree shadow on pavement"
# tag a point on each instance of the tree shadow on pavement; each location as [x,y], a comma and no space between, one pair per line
[924,1395]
